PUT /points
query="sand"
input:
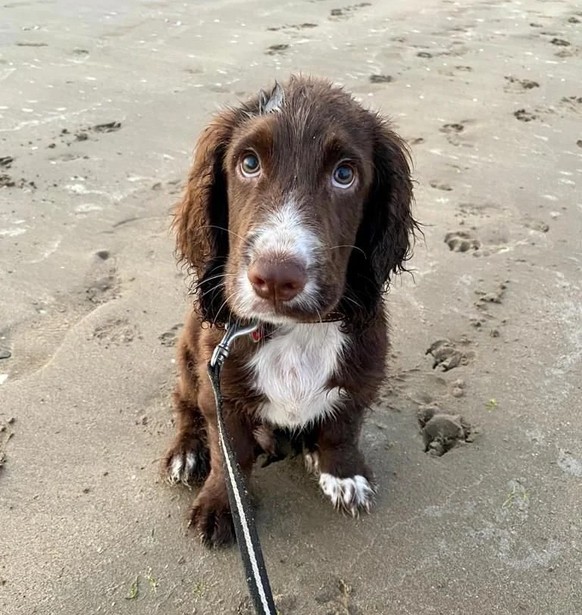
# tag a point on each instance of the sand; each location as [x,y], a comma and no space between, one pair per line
[100,106]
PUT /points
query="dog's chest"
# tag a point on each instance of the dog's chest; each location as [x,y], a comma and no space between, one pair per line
[292,370]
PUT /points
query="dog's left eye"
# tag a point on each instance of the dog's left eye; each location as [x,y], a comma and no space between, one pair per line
[250,165]
[343,176]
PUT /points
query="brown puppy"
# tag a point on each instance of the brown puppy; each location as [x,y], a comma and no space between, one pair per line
[296,213]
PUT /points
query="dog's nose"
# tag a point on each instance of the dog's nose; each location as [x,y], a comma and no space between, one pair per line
[277,281]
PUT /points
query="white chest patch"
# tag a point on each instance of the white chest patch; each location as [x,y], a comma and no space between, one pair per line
[293,369]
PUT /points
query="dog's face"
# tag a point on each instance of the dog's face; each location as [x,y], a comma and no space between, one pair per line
[302,203]
[297,180]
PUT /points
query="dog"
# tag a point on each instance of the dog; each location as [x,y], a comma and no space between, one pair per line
[296,213]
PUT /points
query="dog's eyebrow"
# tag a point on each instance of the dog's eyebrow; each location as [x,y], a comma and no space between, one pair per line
[259,139]
[337,148]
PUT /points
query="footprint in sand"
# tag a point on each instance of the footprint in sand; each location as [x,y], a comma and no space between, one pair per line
[452,128]
[83,134]
[337,595]
[525,116]
[495,296]
[455,49]
[567,50]
[519,85]
[7,181]
[440,186]
[102,281]
[347,11]
[168,338]
[447,355]
[274,50]
[537,225]
[174,186]
[441,431]
[107,127]
[381,78]
[462,241]
[116,331]
[571,104]
[453,132]
[67,157]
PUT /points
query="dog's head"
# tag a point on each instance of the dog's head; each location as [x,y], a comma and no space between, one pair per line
[298,204]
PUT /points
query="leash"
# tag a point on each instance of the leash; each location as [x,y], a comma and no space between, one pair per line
[242,515]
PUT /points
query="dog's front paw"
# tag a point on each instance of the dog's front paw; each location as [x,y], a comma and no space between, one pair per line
[186,462]
[352,495]
[212,520]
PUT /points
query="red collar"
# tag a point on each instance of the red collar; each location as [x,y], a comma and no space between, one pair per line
[265,330]
[262,332]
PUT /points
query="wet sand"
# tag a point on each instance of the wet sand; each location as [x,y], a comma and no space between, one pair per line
[100,107]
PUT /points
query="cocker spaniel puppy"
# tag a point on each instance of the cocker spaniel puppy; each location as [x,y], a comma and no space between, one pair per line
[296,213]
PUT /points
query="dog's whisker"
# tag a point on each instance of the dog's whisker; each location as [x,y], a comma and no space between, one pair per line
[348,245]
[213,288]
[358,304]
[223,305]
[226,230]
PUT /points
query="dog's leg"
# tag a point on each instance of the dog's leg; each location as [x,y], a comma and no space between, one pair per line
[211,516]
[336,459]
[188,459]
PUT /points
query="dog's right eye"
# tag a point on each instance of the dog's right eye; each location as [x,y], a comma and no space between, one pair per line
[250,165]
[343,176]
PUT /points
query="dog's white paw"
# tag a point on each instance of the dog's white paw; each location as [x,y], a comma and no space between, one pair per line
[187,461]
[181,467]
[352,495]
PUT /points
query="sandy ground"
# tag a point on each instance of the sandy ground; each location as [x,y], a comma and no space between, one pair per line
[99,109]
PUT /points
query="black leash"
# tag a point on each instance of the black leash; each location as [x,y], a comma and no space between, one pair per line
[242,515]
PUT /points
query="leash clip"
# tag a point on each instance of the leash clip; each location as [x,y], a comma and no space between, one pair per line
[233,331]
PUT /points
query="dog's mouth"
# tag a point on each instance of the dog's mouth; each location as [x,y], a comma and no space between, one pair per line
[280,313]
[307,307]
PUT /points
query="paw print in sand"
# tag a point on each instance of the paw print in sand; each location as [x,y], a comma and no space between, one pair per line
[446,355]
[441,431]
[462,241]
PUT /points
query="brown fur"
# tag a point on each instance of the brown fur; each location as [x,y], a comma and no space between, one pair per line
[367,234]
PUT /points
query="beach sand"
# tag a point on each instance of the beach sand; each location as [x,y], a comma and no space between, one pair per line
[100,107]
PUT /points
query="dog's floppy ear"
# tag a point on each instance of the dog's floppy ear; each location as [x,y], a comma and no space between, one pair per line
[385,235]
[204,204]
[201,217]
[388,213]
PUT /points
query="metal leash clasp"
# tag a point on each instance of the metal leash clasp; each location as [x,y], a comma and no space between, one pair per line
[233,330]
